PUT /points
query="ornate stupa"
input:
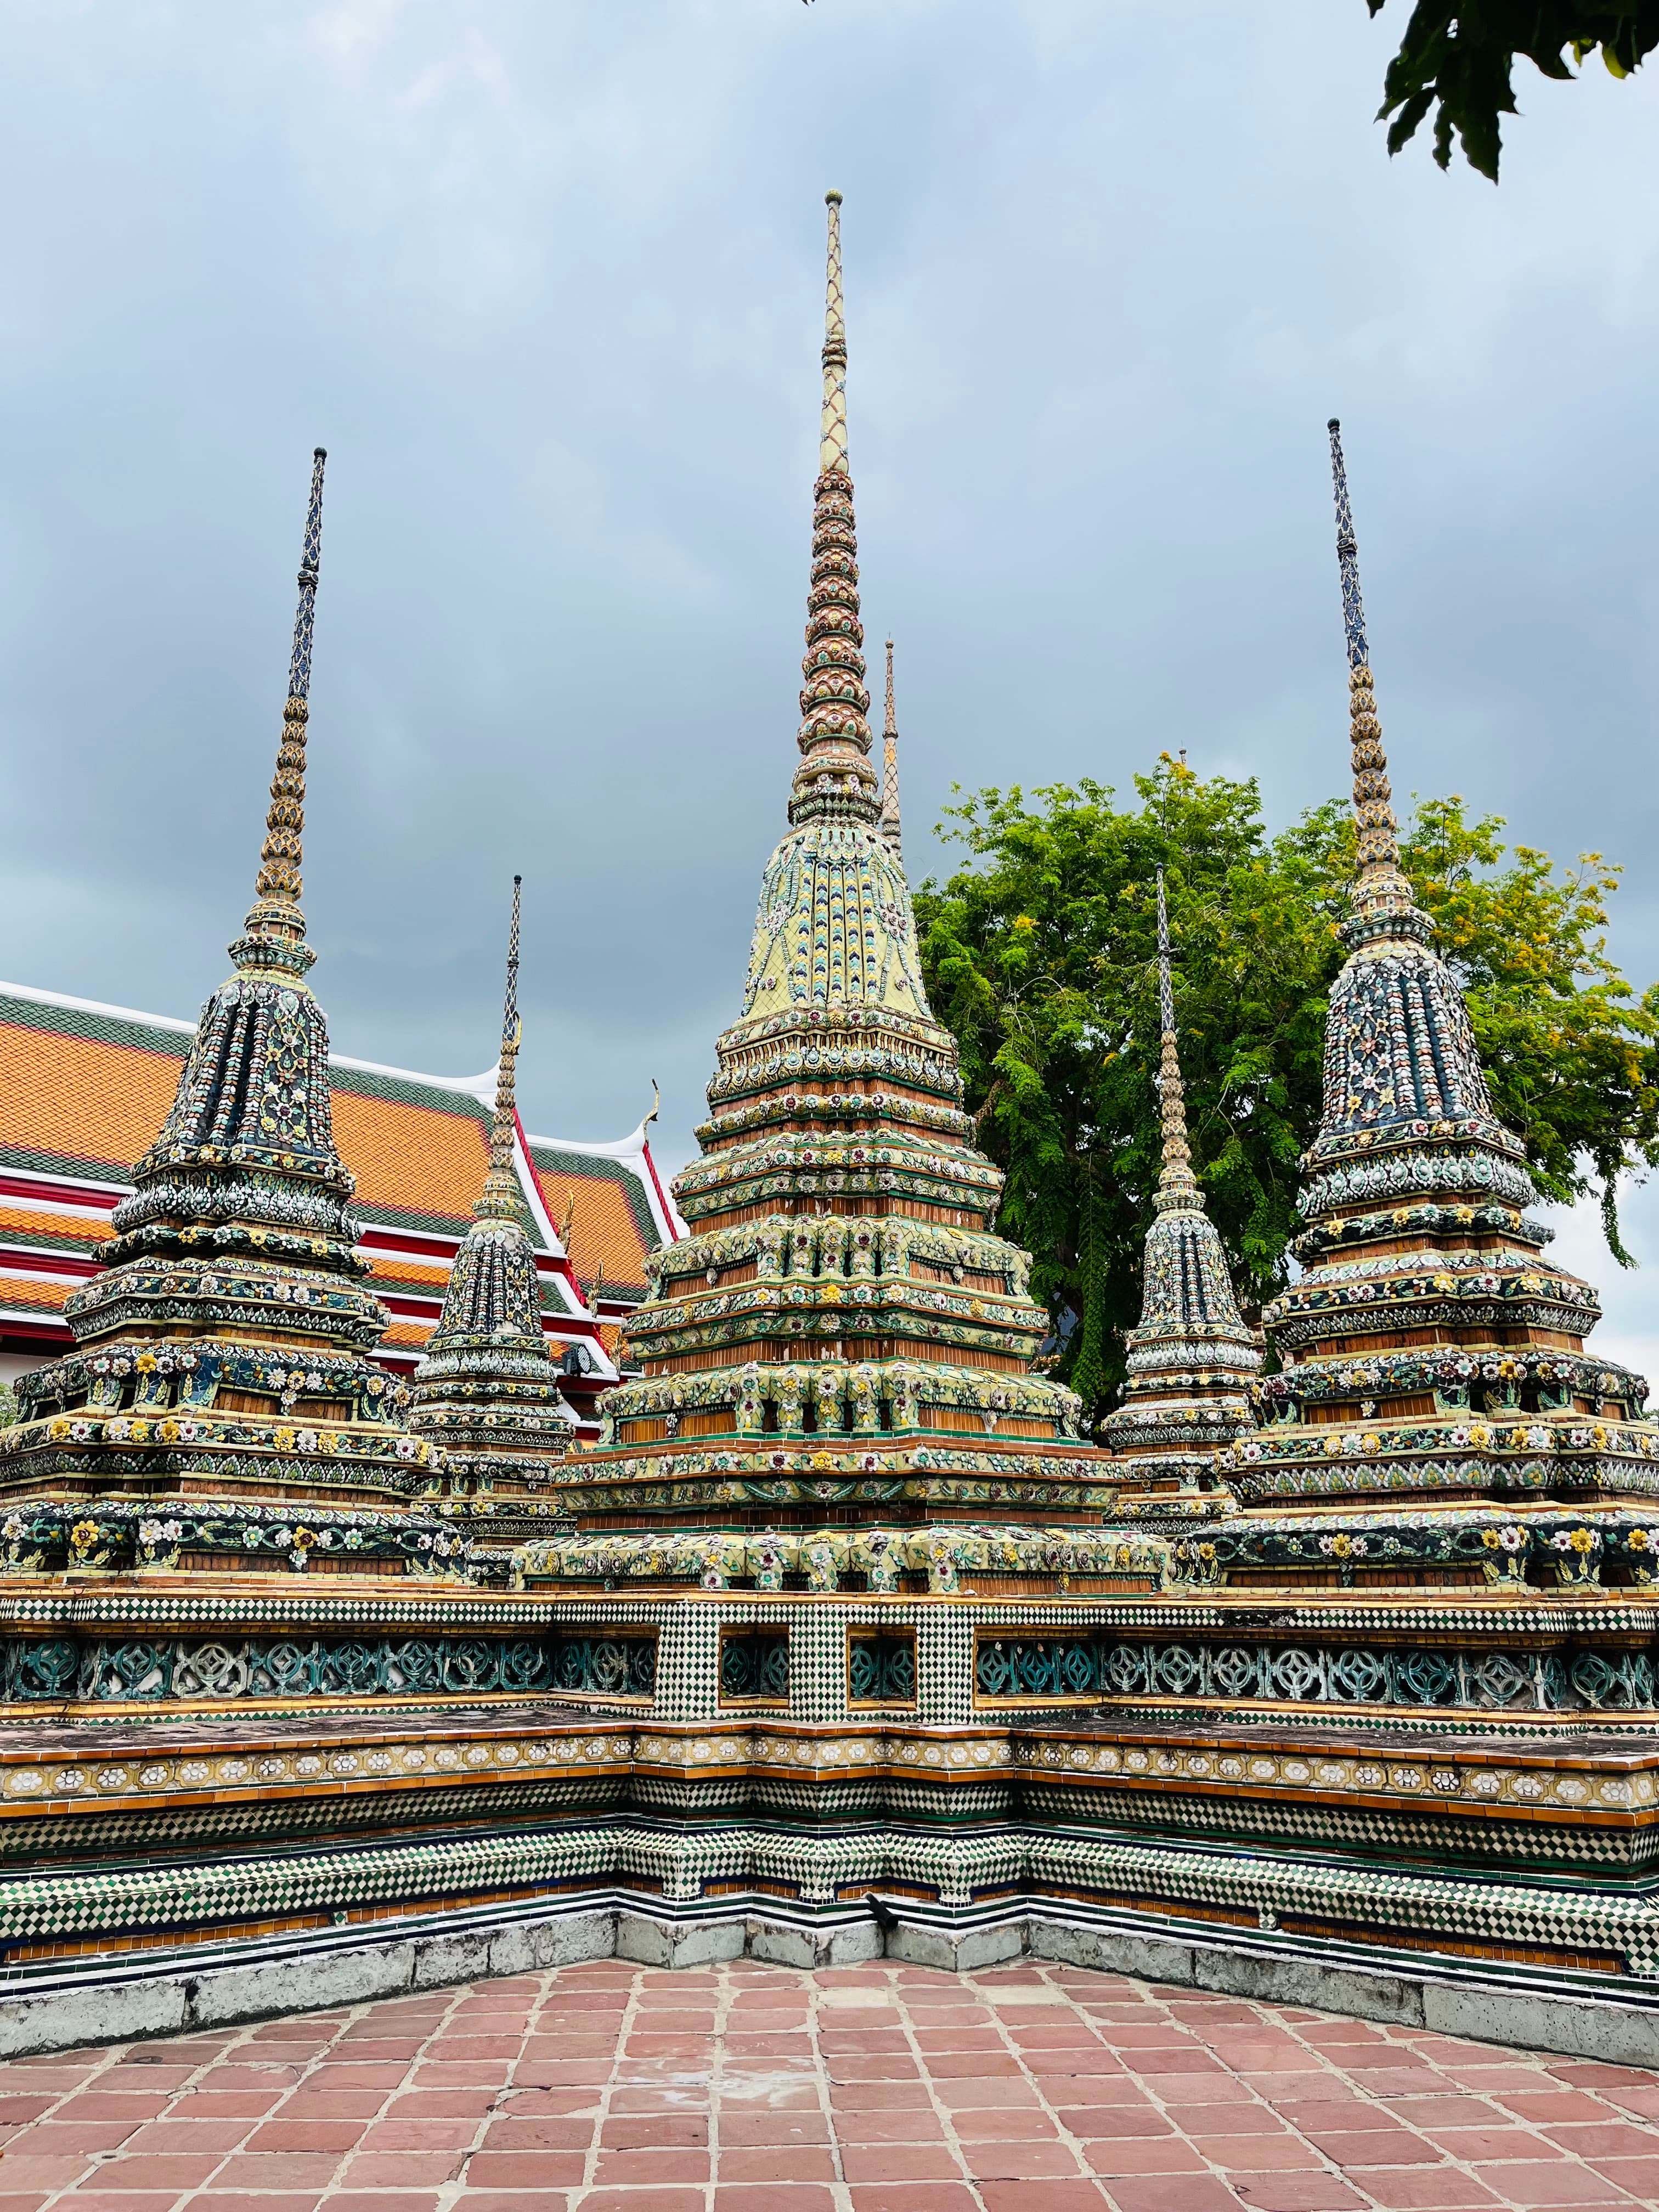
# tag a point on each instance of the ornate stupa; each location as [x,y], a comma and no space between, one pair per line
[488,1390]
[843,1337]
[1430,1353]
[224,1354]
[1191,1357]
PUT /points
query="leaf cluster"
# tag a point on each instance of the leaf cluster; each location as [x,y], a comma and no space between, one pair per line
[1460,59]
[1040,953]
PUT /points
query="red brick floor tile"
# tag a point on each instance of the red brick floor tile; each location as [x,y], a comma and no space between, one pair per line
[505,2200]
[1203,2121]
[919,2196]
[535,2132]
[667,2131]
[225,2200]
[526,2169]
[1604,2139]
[881,2096]
[1638,2177]
[774,2196]
[875,2127]
[1020,2161]
[632,2168]
[1422,2188]
[1561,2181]
[1261,2153]
[761,2164]
[1176,2193]
[899,2162]
[1294,2192]
[391,2169]
[790,2126]
[1053,2197]
[643,2200]
[379,2200]
[1158,2155]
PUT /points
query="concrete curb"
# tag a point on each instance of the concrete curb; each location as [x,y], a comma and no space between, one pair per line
[120,2000]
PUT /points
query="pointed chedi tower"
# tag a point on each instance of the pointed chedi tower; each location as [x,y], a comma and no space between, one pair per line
[1191,1357]
[488,1390]
[224,1350]
[1430,1353]
[890,778]
[842,1335]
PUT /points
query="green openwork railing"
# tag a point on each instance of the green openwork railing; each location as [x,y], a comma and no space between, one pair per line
[755,1663]
[881,1670]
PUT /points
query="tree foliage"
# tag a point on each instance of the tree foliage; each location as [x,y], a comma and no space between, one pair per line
[1040,955]
[1460,59]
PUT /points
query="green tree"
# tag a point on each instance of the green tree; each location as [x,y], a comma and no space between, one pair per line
[1040,954]
[1459,61]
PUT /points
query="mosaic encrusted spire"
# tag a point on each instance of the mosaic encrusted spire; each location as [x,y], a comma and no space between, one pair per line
[1425,1299]
[834,781]
[890,834]
[1177,1187]
[275,929]
[1191,1357]
[488,1390]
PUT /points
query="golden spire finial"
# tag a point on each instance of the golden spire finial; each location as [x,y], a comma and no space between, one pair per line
[832,435]
[1176,1184]
[889,823]
[275,929]
[500,1196]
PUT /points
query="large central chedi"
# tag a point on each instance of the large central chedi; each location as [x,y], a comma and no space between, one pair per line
[841,1332]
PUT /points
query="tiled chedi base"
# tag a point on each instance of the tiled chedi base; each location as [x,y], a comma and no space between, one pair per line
[609,2087]
[359,1759]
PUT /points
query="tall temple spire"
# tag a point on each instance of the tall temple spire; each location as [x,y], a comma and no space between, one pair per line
[1382,901]
[835,780]
[888,824]
[500,1198]
[275,928]
[1176,1184]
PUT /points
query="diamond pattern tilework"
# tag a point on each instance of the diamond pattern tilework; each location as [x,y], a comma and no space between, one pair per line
[748,2088]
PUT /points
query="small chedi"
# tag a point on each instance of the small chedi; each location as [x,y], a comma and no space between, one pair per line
[487,1393]
[1191,1358]
[1436,1421]
[221,1406]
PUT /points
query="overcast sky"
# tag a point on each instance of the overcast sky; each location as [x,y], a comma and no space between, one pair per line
[546,279]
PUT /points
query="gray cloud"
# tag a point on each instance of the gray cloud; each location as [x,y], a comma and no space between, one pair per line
[546,280]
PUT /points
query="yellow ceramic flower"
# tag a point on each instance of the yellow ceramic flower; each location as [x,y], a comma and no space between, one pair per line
[1582,1540]
[83,1537]
[168,1432]
[284,1440]
[146,1363]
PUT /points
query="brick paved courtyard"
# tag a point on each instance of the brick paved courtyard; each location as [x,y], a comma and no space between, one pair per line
[748,2088]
